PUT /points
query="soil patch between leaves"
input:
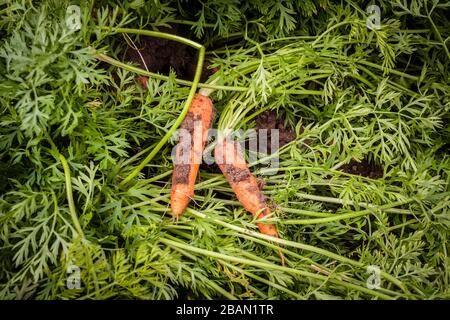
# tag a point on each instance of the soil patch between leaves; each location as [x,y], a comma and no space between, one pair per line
[363,168]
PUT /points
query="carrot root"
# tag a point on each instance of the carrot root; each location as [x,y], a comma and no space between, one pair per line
[229,158]
[189,155]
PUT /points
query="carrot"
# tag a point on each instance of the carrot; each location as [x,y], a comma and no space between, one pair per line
[188,158]
[229,158]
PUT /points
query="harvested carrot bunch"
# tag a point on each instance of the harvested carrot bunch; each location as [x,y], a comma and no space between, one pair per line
[229,158]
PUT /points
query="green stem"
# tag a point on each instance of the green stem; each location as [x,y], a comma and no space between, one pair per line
[301,246]
[393,71]
[160,176]
[262,280]
[370,64]
[329,30]
[351,203]
[438,35]
[250,235]
[192,23]
[156,34]
[119,64]
[305,213]
[263,265]
[72,210]
[344,216]
[137,155]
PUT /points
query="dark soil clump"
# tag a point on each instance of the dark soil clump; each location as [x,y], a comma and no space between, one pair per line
[160,55]
[363,168]
[269,120]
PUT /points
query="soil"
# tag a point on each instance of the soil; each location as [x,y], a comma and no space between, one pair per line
[160,55]
[363,168]
[269,120]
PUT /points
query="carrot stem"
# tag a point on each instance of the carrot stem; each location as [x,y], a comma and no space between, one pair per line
[72,210]
[301,246]
[156,34]
[306,274]
[105,58]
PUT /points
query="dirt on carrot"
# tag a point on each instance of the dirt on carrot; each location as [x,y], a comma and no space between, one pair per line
[181,175]
[236,174]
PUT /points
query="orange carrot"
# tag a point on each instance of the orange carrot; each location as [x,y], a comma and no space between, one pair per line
[229,158]
[188,158]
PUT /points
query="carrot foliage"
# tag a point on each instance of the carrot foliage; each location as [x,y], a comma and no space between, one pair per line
[73,127]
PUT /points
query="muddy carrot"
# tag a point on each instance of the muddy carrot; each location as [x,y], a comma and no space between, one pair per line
[229,158]
[188,155]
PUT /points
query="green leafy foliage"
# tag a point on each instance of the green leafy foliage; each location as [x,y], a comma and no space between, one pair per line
[350,92]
